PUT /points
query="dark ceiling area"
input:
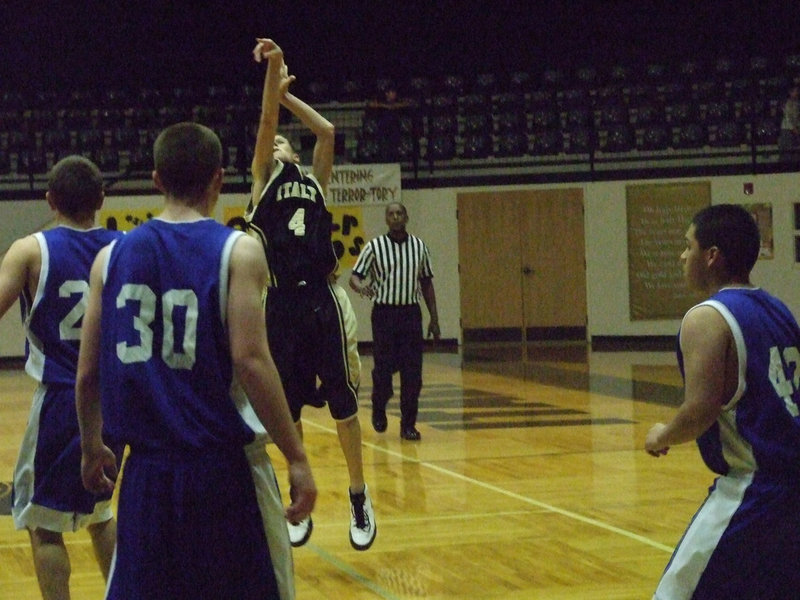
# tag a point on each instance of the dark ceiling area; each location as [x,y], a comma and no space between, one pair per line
[88,44]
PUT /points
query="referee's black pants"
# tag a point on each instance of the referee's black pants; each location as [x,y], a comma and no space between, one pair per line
[397,346]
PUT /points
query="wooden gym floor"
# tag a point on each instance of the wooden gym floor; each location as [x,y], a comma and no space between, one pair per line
[530,482]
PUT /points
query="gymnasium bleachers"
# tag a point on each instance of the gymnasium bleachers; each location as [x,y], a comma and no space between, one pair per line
[621,114]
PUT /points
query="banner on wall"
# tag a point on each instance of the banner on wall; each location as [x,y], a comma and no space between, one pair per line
[364,184]
[350,188]
[658,216]
[126,219]
[348,226]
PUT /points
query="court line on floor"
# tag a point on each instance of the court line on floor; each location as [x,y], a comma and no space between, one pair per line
[351,572]
[462,516]
[525,499]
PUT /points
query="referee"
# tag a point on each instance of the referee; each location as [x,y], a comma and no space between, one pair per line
[394,269]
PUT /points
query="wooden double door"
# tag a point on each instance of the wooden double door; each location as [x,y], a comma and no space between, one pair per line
[522,266]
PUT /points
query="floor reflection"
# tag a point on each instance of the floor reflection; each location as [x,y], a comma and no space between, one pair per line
[647,376]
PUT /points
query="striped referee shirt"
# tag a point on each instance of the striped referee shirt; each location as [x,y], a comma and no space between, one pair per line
[395,269]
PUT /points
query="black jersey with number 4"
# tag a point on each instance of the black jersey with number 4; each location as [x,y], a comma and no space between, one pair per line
[294,226]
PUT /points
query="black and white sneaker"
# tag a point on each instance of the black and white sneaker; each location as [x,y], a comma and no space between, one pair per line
[363,528]
[300,532]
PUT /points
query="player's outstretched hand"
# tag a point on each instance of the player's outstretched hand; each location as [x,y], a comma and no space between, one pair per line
[304,491]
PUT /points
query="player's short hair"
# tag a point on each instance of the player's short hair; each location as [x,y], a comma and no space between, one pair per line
[187,156]
[294,144]
[76,186]
[734,231]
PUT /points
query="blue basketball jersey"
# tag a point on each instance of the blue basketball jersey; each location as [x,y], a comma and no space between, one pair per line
[166,373]
[53,317]
[759,428]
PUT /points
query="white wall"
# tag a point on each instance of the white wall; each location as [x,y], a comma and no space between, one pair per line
[432,215]
[607,258]
[781,275]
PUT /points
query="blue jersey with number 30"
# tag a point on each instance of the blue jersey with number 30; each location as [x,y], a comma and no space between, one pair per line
[166,372]
[759,428]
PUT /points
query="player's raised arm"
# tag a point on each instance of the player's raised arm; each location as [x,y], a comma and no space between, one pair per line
[263,160]
[322,163]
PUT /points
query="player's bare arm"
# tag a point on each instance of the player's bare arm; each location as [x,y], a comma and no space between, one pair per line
[98,463]
[256,370]
[19,271]
[706,343]
[323,130]
[263,159]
